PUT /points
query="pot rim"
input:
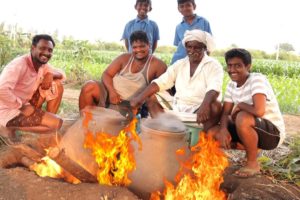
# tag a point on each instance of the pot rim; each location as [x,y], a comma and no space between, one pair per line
[178,134]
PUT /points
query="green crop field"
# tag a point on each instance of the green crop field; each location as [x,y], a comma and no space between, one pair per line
[83,61]
[284,76]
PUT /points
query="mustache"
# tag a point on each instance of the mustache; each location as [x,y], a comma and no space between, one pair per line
[48,56]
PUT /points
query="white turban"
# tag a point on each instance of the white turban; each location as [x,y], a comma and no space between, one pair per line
[200,36]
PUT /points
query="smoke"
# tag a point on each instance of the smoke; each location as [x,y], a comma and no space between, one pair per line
[166,122]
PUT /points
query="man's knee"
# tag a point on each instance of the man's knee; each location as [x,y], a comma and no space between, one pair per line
[51,121]
[89,87]
[59,125]
[56,125]
[244,119]
[216,108]
[60,87]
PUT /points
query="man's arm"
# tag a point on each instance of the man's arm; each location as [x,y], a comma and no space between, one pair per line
[50,75]
[159,68]
[204,111]
[223,136]
[8,80]
[257,109]
[107,78]
[164,76]
[140,99]
[57,75]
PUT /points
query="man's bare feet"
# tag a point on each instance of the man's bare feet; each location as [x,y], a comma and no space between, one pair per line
[246,172]
[250,169]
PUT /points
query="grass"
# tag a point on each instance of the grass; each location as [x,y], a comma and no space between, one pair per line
[67,109]
[284,163]
[284,76]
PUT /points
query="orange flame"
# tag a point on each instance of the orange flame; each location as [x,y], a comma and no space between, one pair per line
[49,168]
[113,154]
[201,175]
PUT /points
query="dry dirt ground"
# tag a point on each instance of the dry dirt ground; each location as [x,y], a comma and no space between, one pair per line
[19,183]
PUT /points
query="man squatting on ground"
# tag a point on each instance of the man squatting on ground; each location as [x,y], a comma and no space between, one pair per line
[251,118]
[26,83]
[125,77]
[198,80]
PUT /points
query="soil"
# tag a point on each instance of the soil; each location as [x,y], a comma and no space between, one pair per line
[18,182]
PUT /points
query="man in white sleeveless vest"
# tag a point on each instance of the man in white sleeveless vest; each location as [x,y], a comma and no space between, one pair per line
[127,76]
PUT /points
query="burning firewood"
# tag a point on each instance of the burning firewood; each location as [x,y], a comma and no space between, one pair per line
[69,165]
[27,162]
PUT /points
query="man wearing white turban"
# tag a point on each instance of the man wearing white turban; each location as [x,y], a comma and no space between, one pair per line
[200,36]
[198,81]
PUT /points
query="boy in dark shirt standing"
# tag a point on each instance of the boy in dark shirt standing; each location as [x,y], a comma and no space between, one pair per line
[142,23]
[190,21]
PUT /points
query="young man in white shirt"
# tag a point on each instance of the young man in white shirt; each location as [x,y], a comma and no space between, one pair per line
[251,118]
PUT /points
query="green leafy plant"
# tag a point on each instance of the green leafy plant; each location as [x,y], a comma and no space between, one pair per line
[286,166]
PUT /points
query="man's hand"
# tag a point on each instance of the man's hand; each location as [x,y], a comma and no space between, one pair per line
[27,110]
[224,138]
[203,113]
[114,98]
[135,102]
[47,81]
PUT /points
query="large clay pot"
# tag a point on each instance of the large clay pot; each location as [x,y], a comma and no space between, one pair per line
[104,120]
[157,160]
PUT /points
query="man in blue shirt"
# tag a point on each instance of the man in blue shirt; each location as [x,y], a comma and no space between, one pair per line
[190,21]
[142,23]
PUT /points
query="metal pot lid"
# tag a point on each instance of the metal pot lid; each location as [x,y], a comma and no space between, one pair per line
[165,122]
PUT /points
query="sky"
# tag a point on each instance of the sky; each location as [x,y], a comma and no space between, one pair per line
[251,24]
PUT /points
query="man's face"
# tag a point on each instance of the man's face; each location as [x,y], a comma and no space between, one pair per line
[140,49]
[237,70]
[142,8]
[186,9]
[42,52]
[195,50]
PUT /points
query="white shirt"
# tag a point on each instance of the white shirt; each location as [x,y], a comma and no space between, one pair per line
[257,83]
[190,91]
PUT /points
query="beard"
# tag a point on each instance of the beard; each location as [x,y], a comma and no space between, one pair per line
[41,59]
[141,58]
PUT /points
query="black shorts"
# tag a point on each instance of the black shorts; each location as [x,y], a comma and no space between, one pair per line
[268,134]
